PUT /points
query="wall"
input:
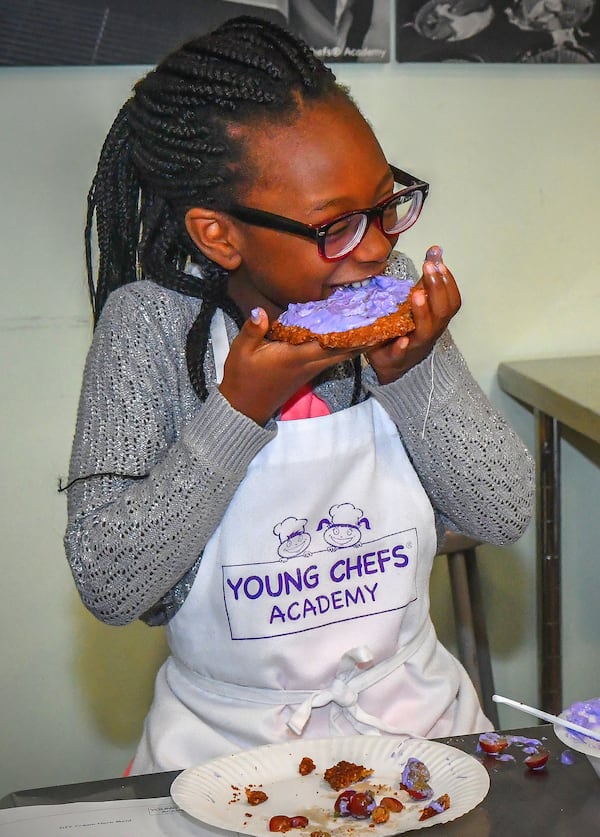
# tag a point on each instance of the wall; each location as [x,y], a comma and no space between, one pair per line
[512,156]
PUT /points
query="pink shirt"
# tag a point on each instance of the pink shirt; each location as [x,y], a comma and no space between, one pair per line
[304,404]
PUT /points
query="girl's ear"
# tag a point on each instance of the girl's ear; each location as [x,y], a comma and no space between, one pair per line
[213,234]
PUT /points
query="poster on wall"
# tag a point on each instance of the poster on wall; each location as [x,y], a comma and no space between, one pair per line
[84,32]
[496,31]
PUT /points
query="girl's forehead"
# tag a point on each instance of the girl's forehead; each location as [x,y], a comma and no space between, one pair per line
[326,151]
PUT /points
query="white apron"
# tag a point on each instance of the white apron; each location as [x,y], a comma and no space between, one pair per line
[310,610]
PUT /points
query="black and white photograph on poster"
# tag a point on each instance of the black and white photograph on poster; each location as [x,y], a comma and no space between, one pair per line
[343,30]
[84,32]
[496,31]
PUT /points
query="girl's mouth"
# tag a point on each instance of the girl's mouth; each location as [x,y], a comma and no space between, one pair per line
[360,284]
[355,285]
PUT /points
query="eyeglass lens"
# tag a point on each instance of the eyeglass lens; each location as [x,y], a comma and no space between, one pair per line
[344,235]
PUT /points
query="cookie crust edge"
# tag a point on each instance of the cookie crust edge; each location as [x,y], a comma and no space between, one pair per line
[397,324]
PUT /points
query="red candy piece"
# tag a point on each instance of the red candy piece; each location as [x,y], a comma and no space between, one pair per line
[341,807]
[299,821]
[415,780]
[283,823]
[442,803]
[357,804]
[362,804]
[537,760]
[279,823]
[491,742]
[391,803]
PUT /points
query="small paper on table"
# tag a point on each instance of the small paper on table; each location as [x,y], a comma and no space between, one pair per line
[121,818]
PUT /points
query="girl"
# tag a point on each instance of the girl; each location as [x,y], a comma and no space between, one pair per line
[274,506]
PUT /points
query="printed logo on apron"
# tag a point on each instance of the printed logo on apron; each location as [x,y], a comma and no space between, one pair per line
[334,571]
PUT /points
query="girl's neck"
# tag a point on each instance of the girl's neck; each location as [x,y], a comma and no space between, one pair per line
[246,298]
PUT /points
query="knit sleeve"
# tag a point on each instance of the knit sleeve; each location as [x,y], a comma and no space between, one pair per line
[151,483]
[477,472]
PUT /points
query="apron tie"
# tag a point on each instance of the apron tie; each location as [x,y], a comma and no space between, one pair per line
[338,692]
[355,673]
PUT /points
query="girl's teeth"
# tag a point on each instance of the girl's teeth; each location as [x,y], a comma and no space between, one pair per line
[359,284]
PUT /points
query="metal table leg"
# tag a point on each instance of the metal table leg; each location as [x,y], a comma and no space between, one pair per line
[548,561]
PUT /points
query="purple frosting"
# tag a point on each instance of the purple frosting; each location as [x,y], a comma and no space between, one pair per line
[585,713]
[415,776]
[348,308]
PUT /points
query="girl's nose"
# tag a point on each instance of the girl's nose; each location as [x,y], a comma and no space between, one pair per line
[375,245]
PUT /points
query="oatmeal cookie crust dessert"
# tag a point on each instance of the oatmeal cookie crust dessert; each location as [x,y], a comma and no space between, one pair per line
[345,773]
[376,310]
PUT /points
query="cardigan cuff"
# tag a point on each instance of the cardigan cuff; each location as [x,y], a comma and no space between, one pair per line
[222,436]
[433,378]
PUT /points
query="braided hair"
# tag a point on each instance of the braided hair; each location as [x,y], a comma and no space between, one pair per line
[169,150]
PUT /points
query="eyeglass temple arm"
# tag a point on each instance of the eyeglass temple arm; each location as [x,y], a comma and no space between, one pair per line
[404,177]
[262,218]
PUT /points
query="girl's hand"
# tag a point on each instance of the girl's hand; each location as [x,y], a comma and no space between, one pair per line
[261,375]
[435,300]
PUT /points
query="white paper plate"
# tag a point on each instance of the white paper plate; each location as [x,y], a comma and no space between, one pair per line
[576,742]
[581,713]
[214,792]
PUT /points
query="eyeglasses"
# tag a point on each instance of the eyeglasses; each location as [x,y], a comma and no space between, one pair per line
[340,236]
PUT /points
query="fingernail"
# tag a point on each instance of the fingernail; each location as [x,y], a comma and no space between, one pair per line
[255,315]
[418,298]
[434,254]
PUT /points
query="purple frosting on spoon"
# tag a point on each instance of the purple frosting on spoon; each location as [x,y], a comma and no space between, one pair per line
[348,308]
[585,713]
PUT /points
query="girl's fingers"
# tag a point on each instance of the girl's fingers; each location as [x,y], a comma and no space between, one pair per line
[255,330]
[434,254]
[256,326]
[307,359]
[435,300]
[442,291]
[436,291]
[422,311]
[450,286]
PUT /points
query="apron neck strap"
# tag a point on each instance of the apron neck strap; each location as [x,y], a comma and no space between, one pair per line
[220,342]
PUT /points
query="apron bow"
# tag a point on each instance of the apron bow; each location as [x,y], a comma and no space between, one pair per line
[338,692]
[355,673]
[342,694]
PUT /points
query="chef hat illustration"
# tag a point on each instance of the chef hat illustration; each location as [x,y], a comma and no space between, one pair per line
[289,527]
[345,514]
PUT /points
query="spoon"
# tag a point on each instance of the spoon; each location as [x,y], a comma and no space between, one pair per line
[545,716]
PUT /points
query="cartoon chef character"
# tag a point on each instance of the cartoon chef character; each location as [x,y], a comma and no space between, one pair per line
[293,539]
[343,526]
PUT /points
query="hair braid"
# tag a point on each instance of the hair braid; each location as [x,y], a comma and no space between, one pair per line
[169,149]
[112,200]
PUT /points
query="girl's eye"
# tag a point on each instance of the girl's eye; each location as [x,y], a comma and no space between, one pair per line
[342,228]
[390,215]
